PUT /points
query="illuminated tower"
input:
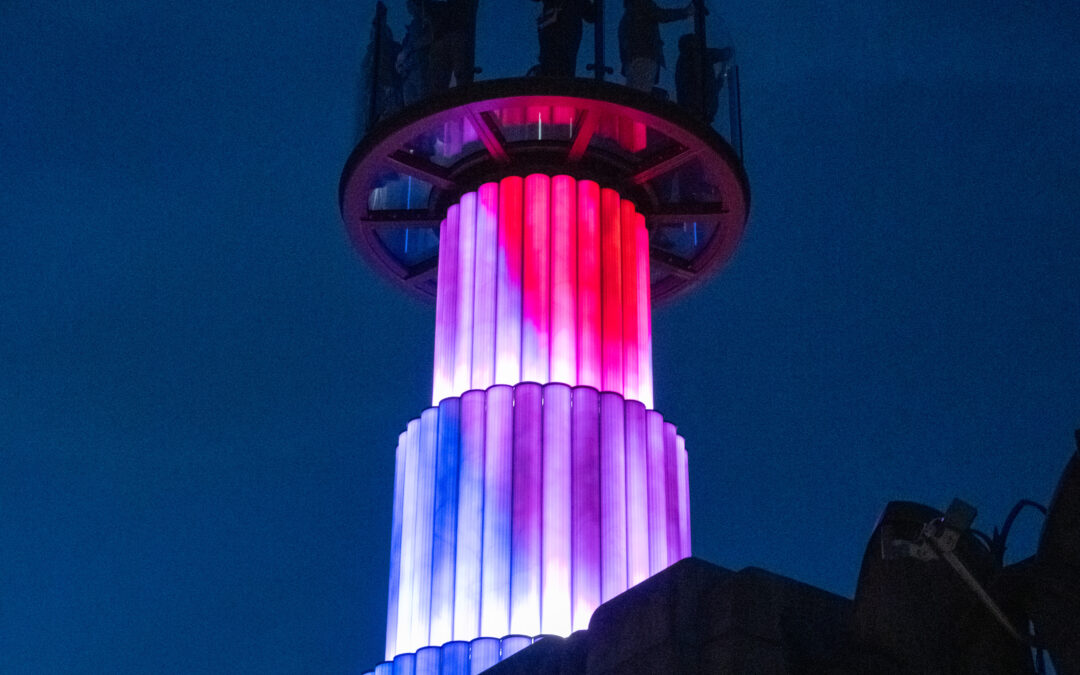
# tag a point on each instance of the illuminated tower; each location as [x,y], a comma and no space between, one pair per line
[543,217]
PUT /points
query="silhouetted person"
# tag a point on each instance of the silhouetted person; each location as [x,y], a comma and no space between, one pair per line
[640,47]
[559,29]
[414,62]
[386,81]
[453,53]
[697,81]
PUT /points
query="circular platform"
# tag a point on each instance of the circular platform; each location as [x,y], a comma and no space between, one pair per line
[685,178]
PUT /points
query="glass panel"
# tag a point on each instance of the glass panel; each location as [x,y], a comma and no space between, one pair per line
[392,191]
[686,240]
[410,245]
[446,143]
[537,123]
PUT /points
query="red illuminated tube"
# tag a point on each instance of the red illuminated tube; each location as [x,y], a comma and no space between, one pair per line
[543,279]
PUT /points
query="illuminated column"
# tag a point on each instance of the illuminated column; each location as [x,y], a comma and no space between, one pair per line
[542,484]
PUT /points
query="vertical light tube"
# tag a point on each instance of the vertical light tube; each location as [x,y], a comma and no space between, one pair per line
[512,644]
[425,525]
[385,668]
[644,314]
[444,550]
[509,280]
[470,518]
[637,493]
[535,320]
[405,664]
[588,285]
[673,543]
[629,300]
[484,654]
[657,499]
[498,486]
[407,593]
[611,290]
[487,239]
[463,339]
[427,661]
[555,616]
[684,496]
[455,658]
[613,496]
[446,307]
[585,505]
[527,498]
[563,280]
[395,549]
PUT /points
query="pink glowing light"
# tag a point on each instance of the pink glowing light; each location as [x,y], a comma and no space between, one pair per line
[535,320]
[588,285]
[611,291]
[563,280]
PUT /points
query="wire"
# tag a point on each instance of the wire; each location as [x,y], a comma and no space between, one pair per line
[998,545]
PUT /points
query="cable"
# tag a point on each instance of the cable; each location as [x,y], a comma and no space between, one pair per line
[998,545]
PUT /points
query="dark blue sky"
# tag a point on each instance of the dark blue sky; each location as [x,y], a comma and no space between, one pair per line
[202,385]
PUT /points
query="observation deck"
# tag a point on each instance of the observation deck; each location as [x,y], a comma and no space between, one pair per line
[683,175]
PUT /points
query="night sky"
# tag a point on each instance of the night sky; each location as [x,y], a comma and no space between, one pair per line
[201,385]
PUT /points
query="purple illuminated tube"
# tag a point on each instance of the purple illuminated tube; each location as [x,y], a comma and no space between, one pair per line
[395,549]
[444,550]
[523,508]
[613,496]
[527,511]
[498,488]
[556,537]
[470,514]
[637,494]
[466,265]
[446,305]
[486,256]
[585,505]
[657,497]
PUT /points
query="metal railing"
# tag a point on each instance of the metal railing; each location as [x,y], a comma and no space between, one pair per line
[379,97]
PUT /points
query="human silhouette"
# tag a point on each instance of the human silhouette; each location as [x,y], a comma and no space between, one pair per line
[697,80]
[380,85]
[414,61]
[559,30]
[640,47]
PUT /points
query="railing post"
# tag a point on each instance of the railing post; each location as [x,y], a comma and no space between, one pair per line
[598,42]
[376,66]
[702,58]
[735,110]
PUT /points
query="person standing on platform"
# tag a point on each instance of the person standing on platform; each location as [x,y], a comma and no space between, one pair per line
[640,47]
[378,72]
[697,82]
[559,28]
[414,62]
